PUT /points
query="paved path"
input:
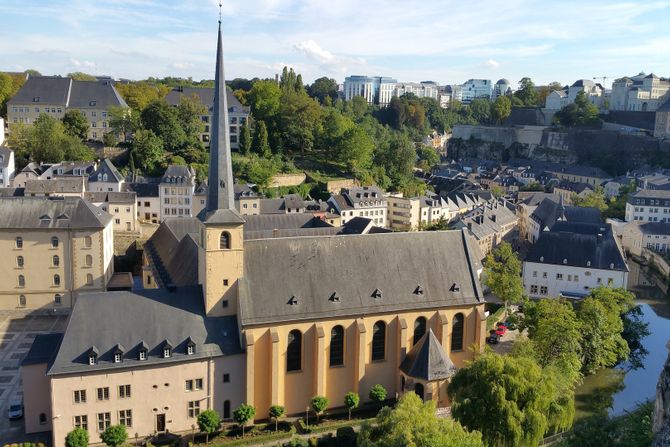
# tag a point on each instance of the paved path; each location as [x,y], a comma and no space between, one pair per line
[17,332]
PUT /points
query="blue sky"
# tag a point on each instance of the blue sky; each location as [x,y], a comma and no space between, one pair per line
[442,40]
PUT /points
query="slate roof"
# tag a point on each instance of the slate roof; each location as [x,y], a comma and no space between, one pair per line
[54,186]
[144,189]
[106,320]
[54,90]
[106,167]
[5,152]
[178,174]
[661,228]
[578,244]
[64,212]
[68,168]
[352,267]
[173,249]
[260,222]
[206,96]
[427,360]
[43,349]
[51,90]
[127,198]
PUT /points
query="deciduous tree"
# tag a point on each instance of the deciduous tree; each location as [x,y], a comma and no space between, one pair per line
[276,411]
[77,438]
[114,435]
[148,151]
[244,414]
[503,274]
[351,401]
[319,404]
[75,124]
[209,422]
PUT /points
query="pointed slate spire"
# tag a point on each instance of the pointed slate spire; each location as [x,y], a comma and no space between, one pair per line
[220,197]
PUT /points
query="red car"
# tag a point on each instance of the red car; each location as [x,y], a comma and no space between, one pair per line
[501,329]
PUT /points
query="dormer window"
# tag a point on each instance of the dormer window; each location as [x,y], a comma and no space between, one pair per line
[117,357]
[92,359]
[190,346]
[143,354]
[167,352]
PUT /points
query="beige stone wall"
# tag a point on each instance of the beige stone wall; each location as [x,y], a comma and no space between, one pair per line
[218,266]
[38,269]
[287,180]
[154,390]
[334,186]
[266,357]
[36,400]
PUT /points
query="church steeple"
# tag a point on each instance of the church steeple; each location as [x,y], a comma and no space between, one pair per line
[220,195]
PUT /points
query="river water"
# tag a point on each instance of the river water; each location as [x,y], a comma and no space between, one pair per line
[616,390]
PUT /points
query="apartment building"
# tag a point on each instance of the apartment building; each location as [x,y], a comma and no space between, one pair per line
[106,178]
[572,259]
[411,213]
[642,93]
[490,224]
[54,95]
[594,92]
[176,190]
[121,205]
[476,88]
[375,89]
[57,248]
[361,201]
[649,206]
[148,201]
[238,114]
[426,89]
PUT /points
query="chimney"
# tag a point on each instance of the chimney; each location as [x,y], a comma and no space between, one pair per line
[470,226]
[493,217]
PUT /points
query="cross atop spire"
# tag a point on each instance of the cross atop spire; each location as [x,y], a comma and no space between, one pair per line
[220,6]
[220,198]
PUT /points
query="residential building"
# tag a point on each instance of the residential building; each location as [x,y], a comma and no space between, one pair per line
[527,203]
[121,205]
[106,178]
[6,166]
[648,205]
[238,114]
[636,236]
[242,333]
[62,187]
[54,95]
[662,123]
[176,191]
[426,89]
[361,201]
[57,248]
[594,92]
[450,93]
[476,88]
[376,89]
[502,88]
[568,190]
[548,212]
[148,201]
[411,213]
[572,259]
[642,93]
[48,171]
[490,224]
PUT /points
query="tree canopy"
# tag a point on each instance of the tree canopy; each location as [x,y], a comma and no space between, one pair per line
[114,435]
[503,273]
[580,113]
[413,423]
[75,124]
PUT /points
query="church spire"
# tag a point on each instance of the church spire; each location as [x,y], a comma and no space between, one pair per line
[220,196]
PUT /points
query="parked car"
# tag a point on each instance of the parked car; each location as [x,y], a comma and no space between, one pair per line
[16,408]
[492,339]
[501,329]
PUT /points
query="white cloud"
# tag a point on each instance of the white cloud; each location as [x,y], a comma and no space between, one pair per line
[312,49]
[492,64]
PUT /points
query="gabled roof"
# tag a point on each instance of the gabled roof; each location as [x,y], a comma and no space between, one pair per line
[355,266]
[95,95]
[43,349]
[109,319]
[144,189]
[54,186]
[38,90]
[106,167]
[126,198]
[427,360]
[26,212]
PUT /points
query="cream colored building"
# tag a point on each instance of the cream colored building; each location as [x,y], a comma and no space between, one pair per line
[61,187]
[57,248]
[54,95]
[257,321]
[121,205]
[642,93]
[411,213]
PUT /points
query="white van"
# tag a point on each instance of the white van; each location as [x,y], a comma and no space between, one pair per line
[16,408]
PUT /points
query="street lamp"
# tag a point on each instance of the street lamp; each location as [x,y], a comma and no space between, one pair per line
[307,416]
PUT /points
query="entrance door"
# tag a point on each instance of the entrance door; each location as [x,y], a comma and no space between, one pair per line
[160,422]
[418,389]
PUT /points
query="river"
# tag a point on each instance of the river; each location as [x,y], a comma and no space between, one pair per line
[619,389]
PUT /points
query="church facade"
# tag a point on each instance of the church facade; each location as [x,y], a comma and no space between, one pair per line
[257,321]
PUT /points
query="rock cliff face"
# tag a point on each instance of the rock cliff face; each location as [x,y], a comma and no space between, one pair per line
[661,425]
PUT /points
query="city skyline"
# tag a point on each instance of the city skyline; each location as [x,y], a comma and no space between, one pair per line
[441,41]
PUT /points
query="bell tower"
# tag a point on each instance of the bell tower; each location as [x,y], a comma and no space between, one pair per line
[221,260]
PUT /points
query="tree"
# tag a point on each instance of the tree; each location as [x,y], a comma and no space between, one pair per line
[77,438]
[124,121]
[244,414]
[80,76]
[377,393]
[245,139]
[260,142]
[189,116]
[323,87]
[355,150]
[351,401]
[526,94]
[508,399]
[6,92]
[414,423]
[359,107]
[276,411]
[148,150]
[299,121]
[138,95]
[109,139]
[114,435]
[503,274]
[75,124]
[319,404]
[481,110]
[497,191]
[209,422]
[427,157]
[581,113]
[264,99]
[163,120]
[594,199]
[617,207]
[440,224]
[501,109]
